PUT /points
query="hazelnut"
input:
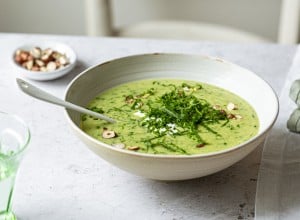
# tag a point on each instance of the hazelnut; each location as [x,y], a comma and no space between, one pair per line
[36,52]
[51,66]
[40,63]
[18,59]
[41,60]
[133,148]
[231,116]
[47,51]
[45,58]
[30,57]
[108,134]
[200,145]
[18,52]
[29,64]
[24,56]
[63,60]
[35,68]
[43,69]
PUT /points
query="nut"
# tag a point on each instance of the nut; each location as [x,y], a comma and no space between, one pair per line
[36,52]
[51,66]
[43,69]
[40,63]
[45,58]
[63,60]
[35,68]
[47,51]
[231,116]
[133,148]
[24,56]
[29,64]
[200,145]
[41,60]
[18,59]
[18,52]
[108,134]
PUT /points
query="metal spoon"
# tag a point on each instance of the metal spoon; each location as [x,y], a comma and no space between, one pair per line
[42,95]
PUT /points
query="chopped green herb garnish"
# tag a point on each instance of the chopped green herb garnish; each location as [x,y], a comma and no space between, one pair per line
[177,109]
[171,117]
[96,109]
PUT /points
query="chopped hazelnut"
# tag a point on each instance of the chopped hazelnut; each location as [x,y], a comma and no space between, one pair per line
[35,68]
[108,134]
[51,66]
[49,59]
[29,64]
[133,148]
[200,145]
[231,116]
[40,63]
[36,52]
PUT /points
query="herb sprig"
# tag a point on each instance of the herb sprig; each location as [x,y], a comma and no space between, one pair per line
[183,110]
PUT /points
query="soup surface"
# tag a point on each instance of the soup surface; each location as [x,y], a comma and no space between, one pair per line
[171,117]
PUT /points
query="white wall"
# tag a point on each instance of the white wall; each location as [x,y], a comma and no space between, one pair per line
[42,16]
[67,16]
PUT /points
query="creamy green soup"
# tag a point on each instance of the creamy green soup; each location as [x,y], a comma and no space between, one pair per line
[171,117]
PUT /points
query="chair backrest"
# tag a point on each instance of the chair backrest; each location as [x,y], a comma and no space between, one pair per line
[230,20]
[288,28]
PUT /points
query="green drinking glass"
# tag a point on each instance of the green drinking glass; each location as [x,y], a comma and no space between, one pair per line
[14,139]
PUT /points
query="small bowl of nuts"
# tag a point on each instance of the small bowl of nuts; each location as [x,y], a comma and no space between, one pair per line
[46,61]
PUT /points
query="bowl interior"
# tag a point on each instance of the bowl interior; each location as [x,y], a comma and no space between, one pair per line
[210,70]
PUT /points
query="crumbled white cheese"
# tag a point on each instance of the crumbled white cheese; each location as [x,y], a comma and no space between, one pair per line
[231,106]
[140,114]
[173,131]
[162,130]
[171,125]
[186,89]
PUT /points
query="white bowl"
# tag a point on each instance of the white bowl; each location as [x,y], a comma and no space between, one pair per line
[43,76]
[191,67]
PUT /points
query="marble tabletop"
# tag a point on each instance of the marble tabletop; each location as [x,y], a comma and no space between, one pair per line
[60,178]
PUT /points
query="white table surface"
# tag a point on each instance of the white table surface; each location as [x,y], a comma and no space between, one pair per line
[61,179]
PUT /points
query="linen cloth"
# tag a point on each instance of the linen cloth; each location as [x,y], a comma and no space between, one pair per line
[278,186]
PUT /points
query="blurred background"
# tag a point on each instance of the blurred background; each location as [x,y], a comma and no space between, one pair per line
[275,21]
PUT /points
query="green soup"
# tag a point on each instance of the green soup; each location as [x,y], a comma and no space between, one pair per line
[171,117]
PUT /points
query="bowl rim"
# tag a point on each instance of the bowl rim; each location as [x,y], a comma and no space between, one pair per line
[167,156]
[46,44]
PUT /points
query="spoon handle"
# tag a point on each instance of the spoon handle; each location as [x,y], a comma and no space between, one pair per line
[42,95]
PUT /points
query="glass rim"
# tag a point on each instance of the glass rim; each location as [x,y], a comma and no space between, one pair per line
[28,134]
